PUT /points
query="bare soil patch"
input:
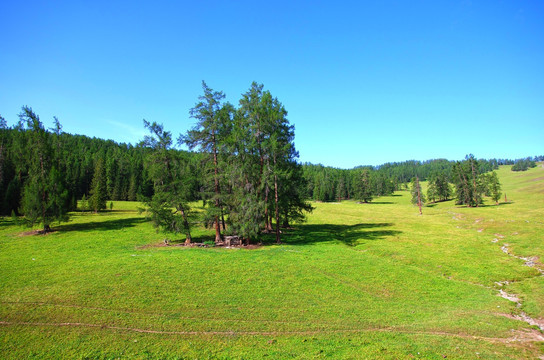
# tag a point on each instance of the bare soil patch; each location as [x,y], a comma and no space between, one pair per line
[202,245]
[35,232]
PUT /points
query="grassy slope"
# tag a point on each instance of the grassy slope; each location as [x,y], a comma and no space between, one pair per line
[357,281]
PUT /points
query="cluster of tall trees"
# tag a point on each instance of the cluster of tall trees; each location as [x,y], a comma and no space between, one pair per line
[471,184]
[250,180]
[439,188]
[523,164]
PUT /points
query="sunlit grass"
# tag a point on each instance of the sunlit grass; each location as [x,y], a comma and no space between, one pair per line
[356,281]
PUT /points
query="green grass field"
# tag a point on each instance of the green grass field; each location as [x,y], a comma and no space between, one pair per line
[370,281]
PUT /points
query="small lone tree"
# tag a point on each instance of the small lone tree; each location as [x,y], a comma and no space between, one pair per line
[99,192]
[494,187]
[84,205]
[365,187]
[417,195]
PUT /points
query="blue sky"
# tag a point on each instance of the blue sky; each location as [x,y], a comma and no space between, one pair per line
[364,82]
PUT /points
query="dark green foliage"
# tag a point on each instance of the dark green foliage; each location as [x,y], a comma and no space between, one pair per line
[99,193]
[75,157]
[293,202]
[84,204]
[330,184]
[265,183]
[523,164]
[365,187]
[44,200]
[492,186]
[172,183]
[3,144]
[468,185]
[246,215]
[439,188]
[209,136]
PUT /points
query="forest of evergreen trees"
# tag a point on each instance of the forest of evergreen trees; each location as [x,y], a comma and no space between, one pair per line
[242,165]
[325,183]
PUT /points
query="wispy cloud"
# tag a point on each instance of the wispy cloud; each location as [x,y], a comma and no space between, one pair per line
[126,132]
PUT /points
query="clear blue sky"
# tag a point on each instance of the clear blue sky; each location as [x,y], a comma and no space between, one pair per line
[364,82]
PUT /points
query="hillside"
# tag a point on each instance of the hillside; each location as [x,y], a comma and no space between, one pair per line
[356,281]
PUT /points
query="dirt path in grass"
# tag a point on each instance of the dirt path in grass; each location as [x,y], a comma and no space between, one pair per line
[531,262]
[26,303]
[526,336]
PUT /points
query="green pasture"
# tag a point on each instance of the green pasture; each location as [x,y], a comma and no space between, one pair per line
[370,281]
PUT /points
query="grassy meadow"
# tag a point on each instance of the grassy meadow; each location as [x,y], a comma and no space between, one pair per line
[374,281]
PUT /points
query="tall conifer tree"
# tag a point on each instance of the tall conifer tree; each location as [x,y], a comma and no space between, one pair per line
[214,121]
[99,190]
[173,182]
[44,196]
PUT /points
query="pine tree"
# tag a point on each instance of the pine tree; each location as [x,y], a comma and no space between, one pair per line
[44,197]
[418,198]
[214,121]
[99,192]
[365,187]
[432,190]
[443,187]
[3,141]
[172,183]
[494,187]
[469,188]
[84,205]
[438,189]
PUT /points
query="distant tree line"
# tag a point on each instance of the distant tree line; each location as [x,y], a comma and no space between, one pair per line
[525,164]
[365,183]
[467,181]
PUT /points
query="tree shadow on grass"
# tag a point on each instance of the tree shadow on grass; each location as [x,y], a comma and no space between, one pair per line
[499,204]
[198,239]
[486,205]
[351,235]
[105,225]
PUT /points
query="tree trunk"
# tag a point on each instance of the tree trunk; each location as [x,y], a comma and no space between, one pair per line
[278,240]
[418,195]
[216,183]
[188,238]
[286,220]
[266,208]
[475,189]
